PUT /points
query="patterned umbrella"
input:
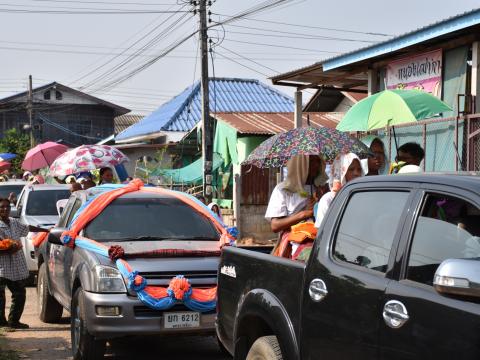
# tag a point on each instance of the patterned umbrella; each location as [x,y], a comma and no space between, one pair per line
[87,158]
[275,151]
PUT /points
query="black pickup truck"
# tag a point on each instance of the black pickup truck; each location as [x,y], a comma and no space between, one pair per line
[394,273]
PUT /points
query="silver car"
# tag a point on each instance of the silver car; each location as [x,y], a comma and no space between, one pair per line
[37,206]
[11,186]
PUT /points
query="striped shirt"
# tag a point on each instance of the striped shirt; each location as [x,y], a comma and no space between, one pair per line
[13,266]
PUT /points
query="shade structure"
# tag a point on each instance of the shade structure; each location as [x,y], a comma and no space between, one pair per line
[390,108]
[277,150]
[7,156]
[43,155]
[190,174]
[87,158]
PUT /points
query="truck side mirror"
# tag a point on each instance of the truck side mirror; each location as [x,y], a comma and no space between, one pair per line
[55,234]
[458,277]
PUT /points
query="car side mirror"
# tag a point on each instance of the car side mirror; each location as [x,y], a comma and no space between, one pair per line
[458,277]
[55,235]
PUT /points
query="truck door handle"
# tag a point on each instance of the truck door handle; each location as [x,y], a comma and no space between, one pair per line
[395,314]
[317,290]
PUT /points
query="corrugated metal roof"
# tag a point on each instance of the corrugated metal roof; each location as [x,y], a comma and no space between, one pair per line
[440,28]
[21,97]
[446,26]
[125,121]
[226,95]
[273,123]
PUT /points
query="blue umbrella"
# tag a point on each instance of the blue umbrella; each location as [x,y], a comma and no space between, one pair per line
[7,156]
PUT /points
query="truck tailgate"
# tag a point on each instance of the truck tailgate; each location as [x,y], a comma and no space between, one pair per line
[242,271]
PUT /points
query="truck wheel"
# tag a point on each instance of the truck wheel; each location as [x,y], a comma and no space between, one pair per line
[84,345]
[265,348]
[49,310]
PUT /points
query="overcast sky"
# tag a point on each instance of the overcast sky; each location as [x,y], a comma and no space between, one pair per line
[89,49]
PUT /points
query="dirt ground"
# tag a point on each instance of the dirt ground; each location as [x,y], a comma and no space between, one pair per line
[52,341]
[41,341]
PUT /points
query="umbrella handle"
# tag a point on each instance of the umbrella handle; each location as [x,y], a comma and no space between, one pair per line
[395,139]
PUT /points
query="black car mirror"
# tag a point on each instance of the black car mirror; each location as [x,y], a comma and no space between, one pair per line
[55,235]
[458,277]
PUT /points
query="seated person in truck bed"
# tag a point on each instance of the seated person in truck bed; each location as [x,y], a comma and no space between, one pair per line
[292,200]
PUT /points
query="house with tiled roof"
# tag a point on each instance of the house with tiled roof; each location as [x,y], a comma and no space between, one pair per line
[178,116]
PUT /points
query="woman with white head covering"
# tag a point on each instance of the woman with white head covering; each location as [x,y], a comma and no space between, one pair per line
[216,210]
[345,168]
[292,200]
[377,163]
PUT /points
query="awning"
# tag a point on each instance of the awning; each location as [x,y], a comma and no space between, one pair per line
[190,174]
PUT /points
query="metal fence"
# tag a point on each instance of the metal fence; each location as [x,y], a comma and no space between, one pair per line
[450,144]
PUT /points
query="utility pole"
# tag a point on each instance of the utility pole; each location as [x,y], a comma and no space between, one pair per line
[207,126]
[30,110]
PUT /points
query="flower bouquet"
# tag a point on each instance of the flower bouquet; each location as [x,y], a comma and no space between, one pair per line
[8,246]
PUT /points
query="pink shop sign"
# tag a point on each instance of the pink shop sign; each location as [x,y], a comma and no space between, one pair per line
[422,72]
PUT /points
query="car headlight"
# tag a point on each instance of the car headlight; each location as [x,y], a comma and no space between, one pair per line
[108,279]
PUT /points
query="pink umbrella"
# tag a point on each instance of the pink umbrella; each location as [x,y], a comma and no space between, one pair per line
[87,158]
[43,155]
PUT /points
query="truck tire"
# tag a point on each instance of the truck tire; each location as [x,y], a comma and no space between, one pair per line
[265,348]
[49,309]
[84,345]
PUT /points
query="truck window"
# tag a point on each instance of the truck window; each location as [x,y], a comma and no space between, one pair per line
[448,227]
[367,228]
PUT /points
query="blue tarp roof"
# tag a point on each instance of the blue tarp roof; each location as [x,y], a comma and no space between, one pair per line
[226,95]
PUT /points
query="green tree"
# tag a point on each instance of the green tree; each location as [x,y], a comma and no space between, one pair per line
[15,142]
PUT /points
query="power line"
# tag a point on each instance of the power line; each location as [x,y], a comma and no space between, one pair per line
[130,58]
[310,26]
[281,46]
[246,58]
[101,2]
[295,35]
[243,65]
[85,12]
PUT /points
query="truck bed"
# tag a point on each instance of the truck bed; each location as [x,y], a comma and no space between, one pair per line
[246,276]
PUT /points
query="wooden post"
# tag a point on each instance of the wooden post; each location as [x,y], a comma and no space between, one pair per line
[372,81]
[297,121]
[424,141]
[475,79]
[237,198]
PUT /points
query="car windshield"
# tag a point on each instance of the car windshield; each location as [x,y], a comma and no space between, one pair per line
[44,202]
[5,190]
[150,219]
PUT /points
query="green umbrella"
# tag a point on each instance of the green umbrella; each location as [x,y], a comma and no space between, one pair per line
[390,108]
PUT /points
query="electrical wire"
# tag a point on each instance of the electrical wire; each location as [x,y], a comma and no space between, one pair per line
[281,46]
[263,21]
[248,59]
[129,59]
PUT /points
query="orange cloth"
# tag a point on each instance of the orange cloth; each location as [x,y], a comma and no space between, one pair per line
[302,232]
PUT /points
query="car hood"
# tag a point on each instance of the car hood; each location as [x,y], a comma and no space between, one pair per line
[41,220]
[199,270]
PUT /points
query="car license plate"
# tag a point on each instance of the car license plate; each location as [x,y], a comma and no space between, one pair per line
[179,320]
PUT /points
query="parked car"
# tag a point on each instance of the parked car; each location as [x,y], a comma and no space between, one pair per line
[394,273]
[37,206]
[12,186]
[92,288]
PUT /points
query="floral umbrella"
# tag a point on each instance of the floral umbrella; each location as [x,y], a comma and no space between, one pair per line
[275,151]
[87,158]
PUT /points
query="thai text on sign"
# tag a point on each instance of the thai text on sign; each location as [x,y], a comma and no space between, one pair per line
[422,72]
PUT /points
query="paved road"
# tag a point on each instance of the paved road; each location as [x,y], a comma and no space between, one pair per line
[52,342]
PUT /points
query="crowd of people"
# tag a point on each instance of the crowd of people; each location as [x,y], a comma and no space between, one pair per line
[308,190]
